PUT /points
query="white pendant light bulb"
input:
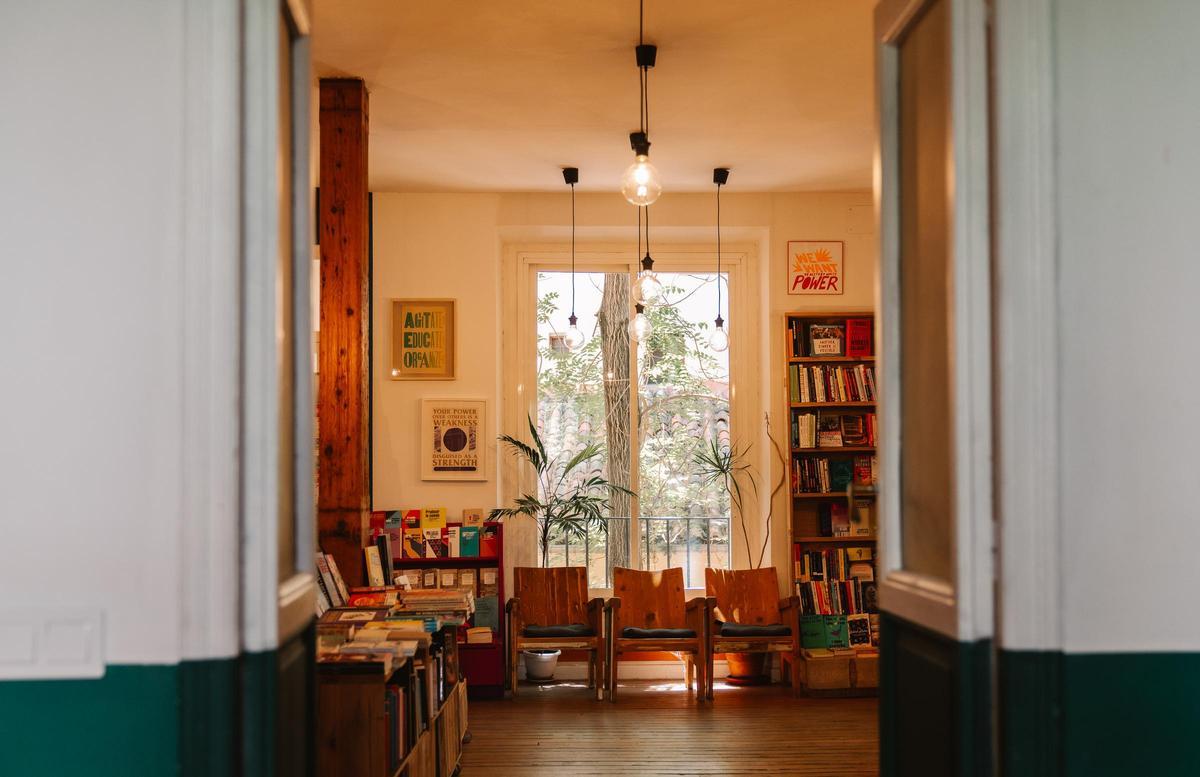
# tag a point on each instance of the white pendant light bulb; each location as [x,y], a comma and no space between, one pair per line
[640,183]
[640,326]
[719,340]
[649,287]
[574,337]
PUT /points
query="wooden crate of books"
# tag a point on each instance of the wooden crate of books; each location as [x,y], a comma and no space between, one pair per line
[826,673]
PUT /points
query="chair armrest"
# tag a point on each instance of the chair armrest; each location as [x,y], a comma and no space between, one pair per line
[789,603]
[512,605]
[612,608]
[595,614]
[698,612]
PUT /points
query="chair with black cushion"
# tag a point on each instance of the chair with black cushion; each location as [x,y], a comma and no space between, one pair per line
[648,614]
[550,610]
[748,616]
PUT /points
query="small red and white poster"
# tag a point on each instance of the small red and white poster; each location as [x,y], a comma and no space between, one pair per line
[815,267]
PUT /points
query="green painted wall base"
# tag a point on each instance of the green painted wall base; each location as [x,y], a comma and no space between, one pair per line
[1131,713]
[125,723]
[935,703]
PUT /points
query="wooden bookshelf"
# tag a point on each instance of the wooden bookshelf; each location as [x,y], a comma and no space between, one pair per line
[833,495]
[818,405]
[846,389]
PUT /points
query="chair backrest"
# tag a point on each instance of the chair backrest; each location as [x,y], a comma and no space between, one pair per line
[650,600]
[746,596]
[551,597]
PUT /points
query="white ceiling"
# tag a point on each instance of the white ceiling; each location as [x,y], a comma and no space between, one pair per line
[497,95]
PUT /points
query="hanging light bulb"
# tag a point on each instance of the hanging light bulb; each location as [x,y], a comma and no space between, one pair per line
[719,339]
[640,326]
[647,288]
[574,337]
[640,184]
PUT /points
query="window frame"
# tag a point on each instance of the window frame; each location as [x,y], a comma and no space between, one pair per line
[521,265]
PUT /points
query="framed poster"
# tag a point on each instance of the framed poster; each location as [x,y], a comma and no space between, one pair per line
[453,445]
[423,333]
[815,266]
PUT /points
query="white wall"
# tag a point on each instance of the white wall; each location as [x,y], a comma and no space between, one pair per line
[451,245]
[434,245]
[91,208]
[1128,181]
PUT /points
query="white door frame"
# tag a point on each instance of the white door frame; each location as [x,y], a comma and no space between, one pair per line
[274,611]
[963,608]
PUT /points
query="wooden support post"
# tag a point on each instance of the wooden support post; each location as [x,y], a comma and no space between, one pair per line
[343,393]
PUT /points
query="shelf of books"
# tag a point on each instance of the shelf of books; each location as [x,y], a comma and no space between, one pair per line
[391,695]
[831,394]
[426,550]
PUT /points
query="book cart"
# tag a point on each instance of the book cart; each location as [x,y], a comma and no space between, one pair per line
[831,401]
[402,717]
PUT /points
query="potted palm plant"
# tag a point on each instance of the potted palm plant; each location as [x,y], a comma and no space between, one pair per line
[566,503]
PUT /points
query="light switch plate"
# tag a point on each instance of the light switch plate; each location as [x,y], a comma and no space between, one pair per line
[51,642]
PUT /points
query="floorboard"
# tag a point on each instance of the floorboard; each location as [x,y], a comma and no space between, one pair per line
[657,728]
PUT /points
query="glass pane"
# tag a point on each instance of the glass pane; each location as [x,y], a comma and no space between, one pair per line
[683,406]
[926,455]
[583,398]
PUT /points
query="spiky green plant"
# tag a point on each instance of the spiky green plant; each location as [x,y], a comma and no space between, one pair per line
[563,505]
[727,466]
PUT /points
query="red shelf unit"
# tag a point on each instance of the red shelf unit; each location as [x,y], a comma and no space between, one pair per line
[482,665]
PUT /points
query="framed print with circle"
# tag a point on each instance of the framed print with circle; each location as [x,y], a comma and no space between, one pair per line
[454,440]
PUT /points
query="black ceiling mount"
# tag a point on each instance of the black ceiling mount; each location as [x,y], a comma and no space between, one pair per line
[647,54]
[570,175]
[720,175]
[639,143]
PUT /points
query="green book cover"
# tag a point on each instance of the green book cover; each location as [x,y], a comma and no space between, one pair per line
[487,612]
[836,632]
[812,632]
[841,472]
[468,541]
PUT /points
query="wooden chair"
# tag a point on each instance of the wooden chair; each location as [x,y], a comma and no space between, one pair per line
[749,617]
[550,610]
[648,614]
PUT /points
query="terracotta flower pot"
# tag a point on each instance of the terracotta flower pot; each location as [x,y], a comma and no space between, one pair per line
[747,668]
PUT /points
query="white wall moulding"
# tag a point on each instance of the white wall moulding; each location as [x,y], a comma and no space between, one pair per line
[51,642]
[1027,325]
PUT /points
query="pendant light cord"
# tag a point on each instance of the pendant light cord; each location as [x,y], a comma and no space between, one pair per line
[647,209]
[643,74]
[638,258]
[572,250]
[718,250]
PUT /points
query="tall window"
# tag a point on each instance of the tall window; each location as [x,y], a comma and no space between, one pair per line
[682,405]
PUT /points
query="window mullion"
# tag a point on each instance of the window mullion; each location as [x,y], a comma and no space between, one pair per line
[635,435]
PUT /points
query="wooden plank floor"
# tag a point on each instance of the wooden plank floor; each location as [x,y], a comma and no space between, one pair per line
[656,728]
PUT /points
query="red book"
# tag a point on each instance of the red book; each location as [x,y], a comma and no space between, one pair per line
[489,541]
[858,338]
